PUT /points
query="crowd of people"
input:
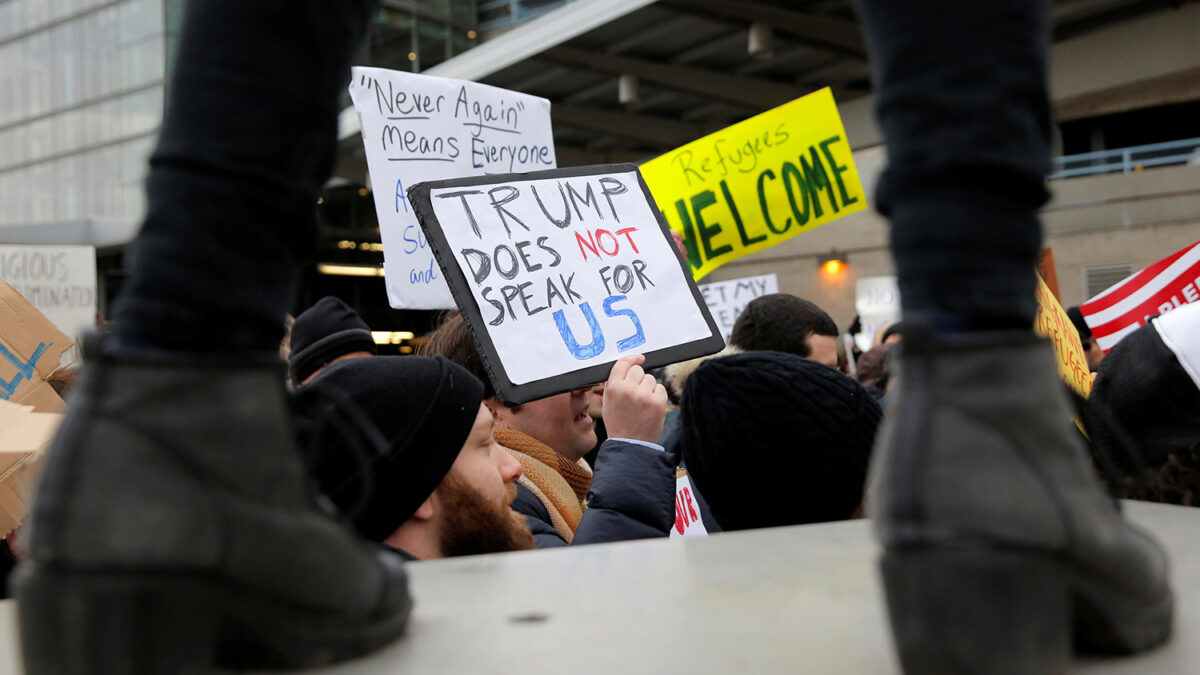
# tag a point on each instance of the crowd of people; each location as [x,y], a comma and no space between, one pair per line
[772,431]
[190,513]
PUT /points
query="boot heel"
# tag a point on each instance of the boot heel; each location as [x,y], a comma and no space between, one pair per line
[118,624]
[977,610]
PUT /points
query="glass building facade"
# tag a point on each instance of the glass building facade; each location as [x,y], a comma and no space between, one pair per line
[81,92]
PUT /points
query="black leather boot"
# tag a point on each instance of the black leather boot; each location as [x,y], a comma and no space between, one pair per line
[173,529]
[1000,548]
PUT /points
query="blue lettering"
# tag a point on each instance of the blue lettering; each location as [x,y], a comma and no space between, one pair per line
[400,198]
[425,276]
[639,336]
[24,368]
[587,351]
[418,243]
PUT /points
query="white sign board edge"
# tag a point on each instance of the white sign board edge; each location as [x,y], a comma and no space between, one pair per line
[418,128]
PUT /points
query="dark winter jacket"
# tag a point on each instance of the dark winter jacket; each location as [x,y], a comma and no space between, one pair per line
[631,496]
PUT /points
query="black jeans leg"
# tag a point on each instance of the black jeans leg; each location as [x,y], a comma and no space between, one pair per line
[249,137]
[962,101]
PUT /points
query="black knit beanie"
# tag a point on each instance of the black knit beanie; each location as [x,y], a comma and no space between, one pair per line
[1076,317]
[774,439]
[1143,388]
[424,409]
[323,332]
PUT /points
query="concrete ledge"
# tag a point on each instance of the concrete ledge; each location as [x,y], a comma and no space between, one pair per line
[788,600]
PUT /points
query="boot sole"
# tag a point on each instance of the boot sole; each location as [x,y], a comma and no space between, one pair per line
[74,623]
[990,611]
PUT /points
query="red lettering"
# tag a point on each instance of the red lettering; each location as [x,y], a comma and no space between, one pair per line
[679,524]
[691,509]
[626,232]
[590,243]
[600,234]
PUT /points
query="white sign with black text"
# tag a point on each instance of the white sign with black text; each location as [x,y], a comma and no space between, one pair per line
[560,273]
[59,280]
[877,300]
[419,128]
[727,299]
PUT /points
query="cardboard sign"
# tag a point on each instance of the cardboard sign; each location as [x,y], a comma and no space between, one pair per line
[418,128]
[59,280]
[727,299]
[1052,322]
[1171,282]
[758,182]
[25,434]
[559,273]
[31,349]
[687,512]
[877,301]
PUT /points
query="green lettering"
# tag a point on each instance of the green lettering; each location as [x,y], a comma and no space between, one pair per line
[689,234]
[737,219]
[837,169]
[700,202]
[817,180]
[791,172]
[762,203]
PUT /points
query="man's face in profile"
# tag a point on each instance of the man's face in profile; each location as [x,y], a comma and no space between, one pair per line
[475,497]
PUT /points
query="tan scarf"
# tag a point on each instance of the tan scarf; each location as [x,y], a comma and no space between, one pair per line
[559,483]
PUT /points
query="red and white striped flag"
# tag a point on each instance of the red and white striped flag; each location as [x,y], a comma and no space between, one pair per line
[1161,287]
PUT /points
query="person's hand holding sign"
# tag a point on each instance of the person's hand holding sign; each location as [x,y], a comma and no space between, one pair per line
[635,404]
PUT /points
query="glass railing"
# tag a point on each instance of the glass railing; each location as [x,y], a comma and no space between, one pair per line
[496,15]
[1126,160]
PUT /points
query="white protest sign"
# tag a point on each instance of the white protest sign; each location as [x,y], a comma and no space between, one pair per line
[419,128]
[727,299]
[877,300]
[687,511]
[59,280]
[559,273]
[1180,332]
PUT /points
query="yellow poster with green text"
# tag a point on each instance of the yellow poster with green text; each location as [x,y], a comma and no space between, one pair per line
[758,182]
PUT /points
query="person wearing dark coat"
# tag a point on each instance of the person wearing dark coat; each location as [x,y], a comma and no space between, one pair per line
[631,494]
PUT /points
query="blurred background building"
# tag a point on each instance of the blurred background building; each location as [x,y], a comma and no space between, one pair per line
[81,85]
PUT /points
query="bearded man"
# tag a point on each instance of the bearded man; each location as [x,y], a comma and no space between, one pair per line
[441,486]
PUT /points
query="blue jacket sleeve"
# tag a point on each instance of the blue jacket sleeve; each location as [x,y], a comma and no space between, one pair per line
[632,495]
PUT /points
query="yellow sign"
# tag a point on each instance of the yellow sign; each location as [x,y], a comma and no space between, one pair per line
[1053,323]
[758,182]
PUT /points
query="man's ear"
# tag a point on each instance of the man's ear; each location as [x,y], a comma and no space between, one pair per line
[500,413]
[427,509]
